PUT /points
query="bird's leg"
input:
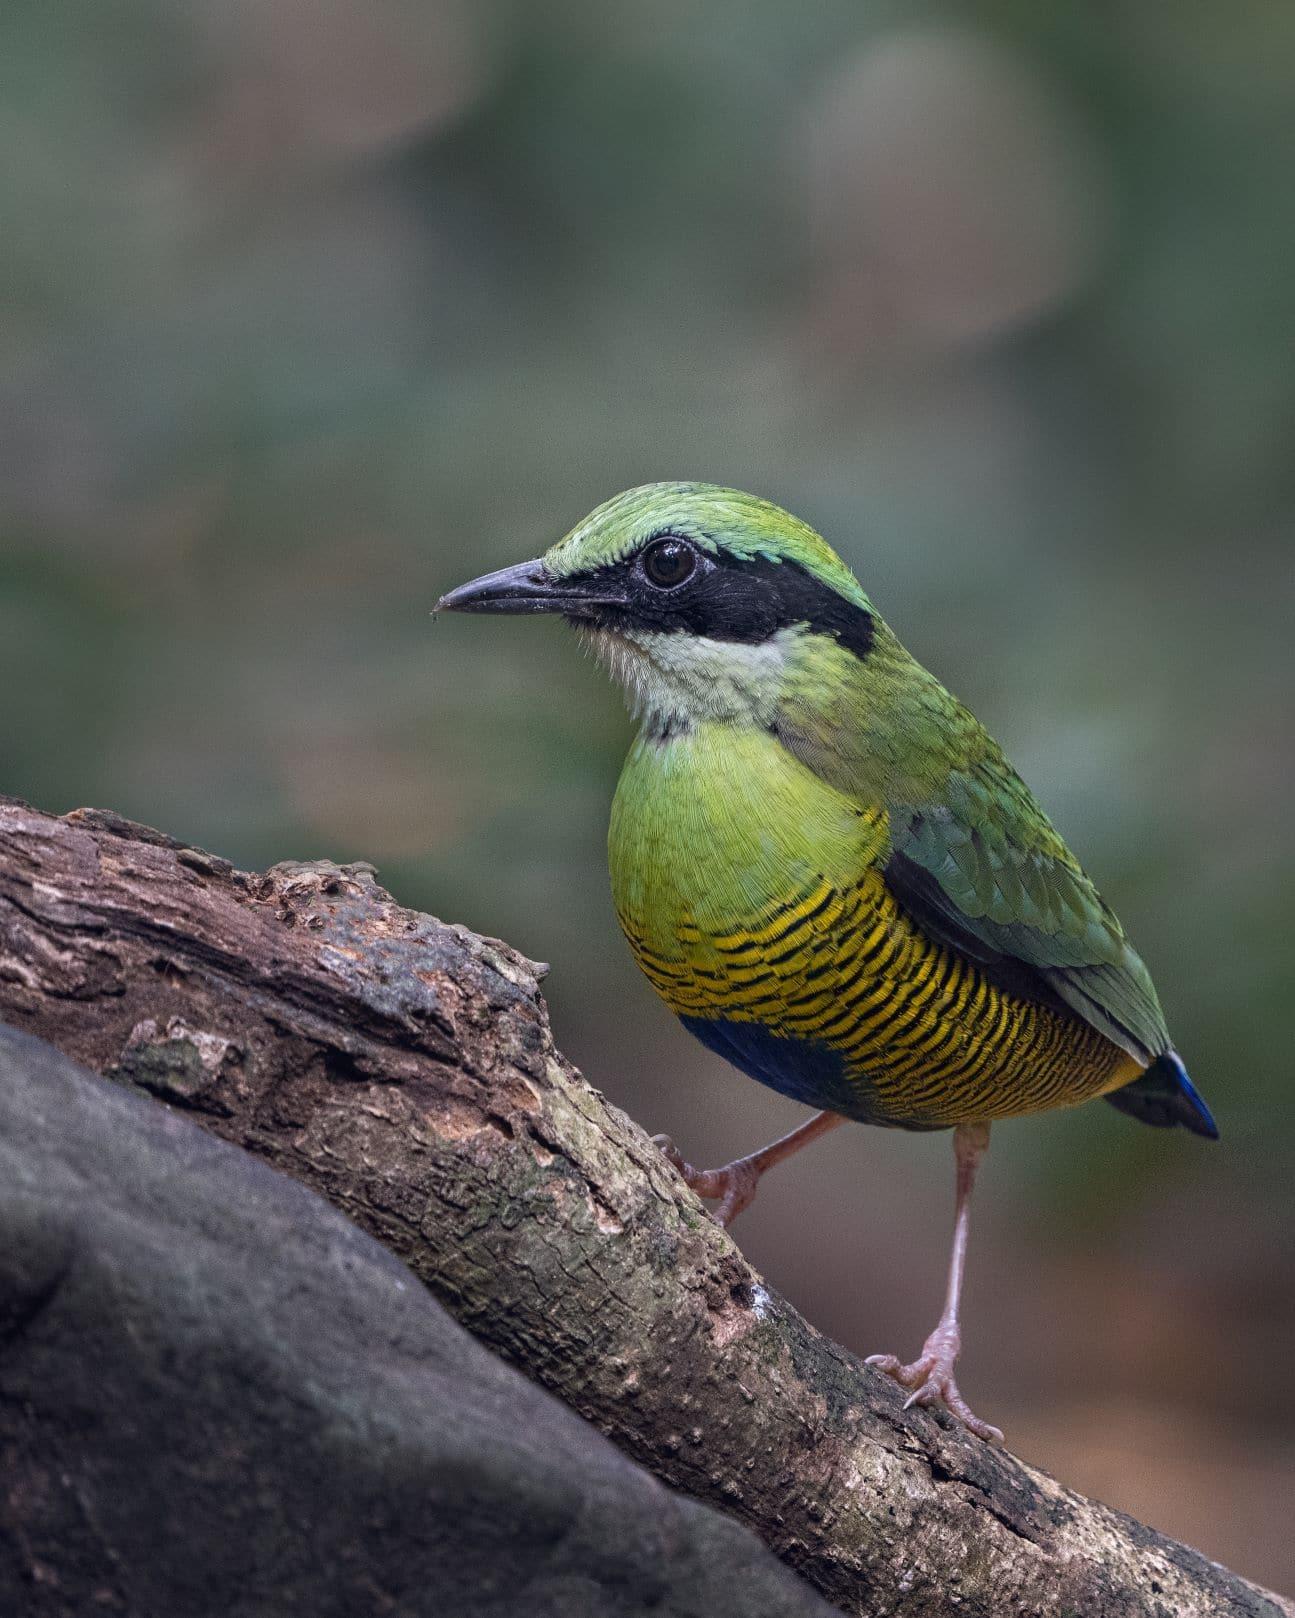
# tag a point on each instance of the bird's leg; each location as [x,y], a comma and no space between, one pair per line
[735,1184]
[931,1375]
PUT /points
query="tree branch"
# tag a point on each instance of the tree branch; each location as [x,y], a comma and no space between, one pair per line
[405,1070]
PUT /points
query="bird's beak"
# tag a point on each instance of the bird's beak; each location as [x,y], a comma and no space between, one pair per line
[525,587]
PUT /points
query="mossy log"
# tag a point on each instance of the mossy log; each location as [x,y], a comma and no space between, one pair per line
[405,1069]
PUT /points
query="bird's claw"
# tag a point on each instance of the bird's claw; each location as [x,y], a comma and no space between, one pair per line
[733,1186]
[673,1156]
[932,1382]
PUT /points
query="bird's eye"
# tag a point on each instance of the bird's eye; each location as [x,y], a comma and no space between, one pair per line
[668,562]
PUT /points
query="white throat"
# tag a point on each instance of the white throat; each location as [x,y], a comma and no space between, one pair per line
[674,681]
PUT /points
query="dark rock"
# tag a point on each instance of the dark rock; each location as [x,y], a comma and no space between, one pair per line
[218,1396]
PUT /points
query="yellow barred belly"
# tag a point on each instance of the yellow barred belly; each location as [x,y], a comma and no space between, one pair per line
[924,1036]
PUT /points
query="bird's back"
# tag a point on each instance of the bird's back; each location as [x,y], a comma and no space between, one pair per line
[753,894]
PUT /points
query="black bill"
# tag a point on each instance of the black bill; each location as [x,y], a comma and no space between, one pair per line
[526,587]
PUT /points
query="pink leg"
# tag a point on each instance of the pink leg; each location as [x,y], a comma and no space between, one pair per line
[736,1183]
[931,1375]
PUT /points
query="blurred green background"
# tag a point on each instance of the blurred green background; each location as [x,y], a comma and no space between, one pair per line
[316,308]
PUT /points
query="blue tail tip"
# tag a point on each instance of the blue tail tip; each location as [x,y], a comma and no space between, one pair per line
[1164,1097]
[1203,1118]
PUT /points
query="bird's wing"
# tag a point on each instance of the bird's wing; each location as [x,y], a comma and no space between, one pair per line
[984,872]
[973,858]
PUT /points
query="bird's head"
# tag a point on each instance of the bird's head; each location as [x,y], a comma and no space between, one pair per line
[699,599]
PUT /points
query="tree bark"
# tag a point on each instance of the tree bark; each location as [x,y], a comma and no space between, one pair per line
[405,1070]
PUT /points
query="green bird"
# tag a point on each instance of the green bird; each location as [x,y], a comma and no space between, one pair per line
[825,865]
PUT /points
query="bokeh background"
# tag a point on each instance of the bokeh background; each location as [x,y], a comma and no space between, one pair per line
[315,308]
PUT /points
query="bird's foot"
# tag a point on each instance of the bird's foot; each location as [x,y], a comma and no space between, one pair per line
[930,1376]
[734,1185]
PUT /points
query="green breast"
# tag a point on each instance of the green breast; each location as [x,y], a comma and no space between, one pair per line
[752,892]
[716,828]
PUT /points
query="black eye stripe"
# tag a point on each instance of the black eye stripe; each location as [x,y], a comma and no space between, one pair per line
[723,598]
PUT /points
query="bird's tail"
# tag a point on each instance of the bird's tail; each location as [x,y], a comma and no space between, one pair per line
[1165,1096]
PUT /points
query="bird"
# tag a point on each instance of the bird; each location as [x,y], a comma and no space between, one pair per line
[826,866]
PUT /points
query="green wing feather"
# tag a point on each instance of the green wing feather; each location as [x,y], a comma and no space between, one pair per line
[986,873]
[974,859]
